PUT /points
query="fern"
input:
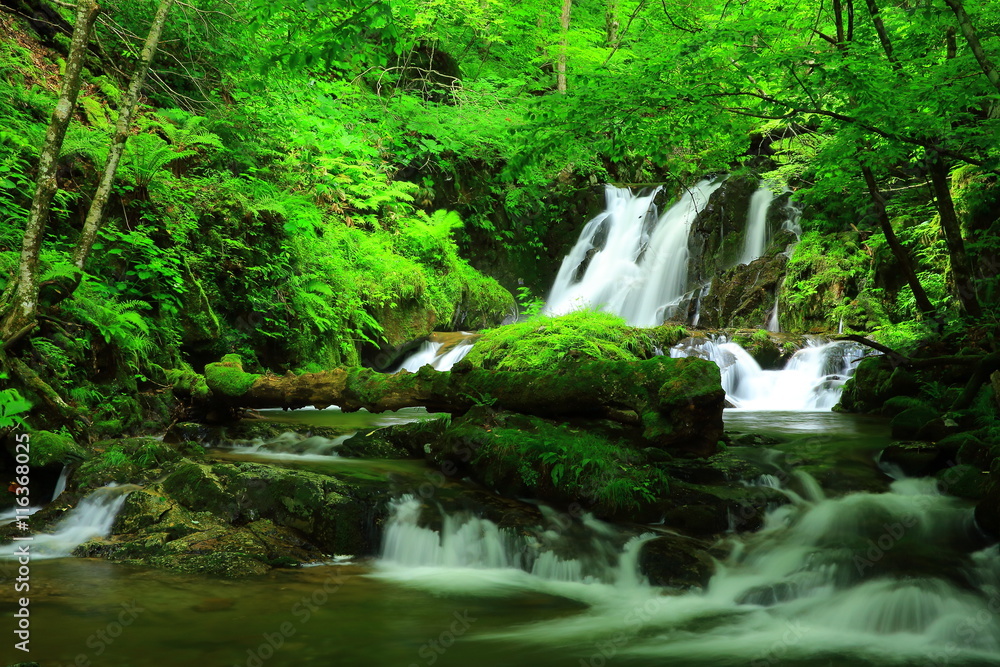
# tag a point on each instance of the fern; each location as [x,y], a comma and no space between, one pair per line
[117,322]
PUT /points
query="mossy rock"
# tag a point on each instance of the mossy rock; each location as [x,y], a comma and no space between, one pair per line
[907,424]
[48,448]
[964,481]
[898,404]
[196,487]
[398,441]
[970,450]
[560,462]
[540,342]
[862,391]
[676,561]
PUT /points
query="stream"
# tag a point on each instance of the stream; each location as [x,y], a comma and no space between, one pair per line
[896,574]
[864,579]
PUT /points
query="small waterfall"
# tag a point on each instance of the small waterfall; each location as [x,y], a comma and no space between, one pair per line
[813,378]
[629,260]
[755,239]
[437,354]
[293,446]
[467,542]
[92,518]
[772,323]
[61,483]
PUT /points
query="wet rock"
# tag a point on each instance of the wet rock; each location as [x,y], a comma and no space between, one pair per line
[970,450]
[964,481]
[677,562]
[399,441]
[908,424]
[918,458]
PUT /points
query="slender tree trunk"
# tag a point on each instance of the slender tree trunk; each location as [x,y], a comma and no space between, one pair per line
[611,23]
[961,269]
[22,300]
[95,215]
[567,6]
[883,35]
[898,251]
[969,31]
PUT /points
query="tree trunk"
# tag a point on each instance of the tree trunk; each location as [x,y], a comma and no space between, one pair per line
[961,269]
[883,35]
[563,45]
[95,215]
[611,23]
[22,300]
[675,403]
[969,31]
[898,251]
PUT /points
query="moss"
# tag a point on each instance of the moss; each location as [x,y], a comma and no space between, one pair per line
[228,377]
[909,423]
[188,383]
[523,455]
[898,404]
[48,448]
[542,341]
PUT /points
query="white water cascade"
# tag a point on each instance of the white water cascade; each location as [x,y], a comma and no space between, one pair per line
[637,264]
[61,483]
[92,518]
[474,553]
[811,380]
[755,238]
[868,578]
[430,353]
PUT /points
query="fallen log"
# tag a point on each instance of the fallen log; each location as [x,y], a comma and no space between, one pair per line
[677,403]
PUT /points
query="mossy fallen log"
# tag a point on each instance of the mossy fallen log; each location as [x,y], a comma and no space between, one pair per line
[677,403]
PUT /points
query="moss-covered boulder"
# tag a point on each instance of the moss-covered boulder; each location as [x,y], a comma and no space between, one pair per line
[521,456]
[50,448]
[912,422]
[678,561]
[398,441]
[541,342]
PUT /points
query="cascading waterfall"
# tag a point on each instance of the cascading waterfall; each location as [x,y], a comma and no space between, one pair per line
[755,239]
[811,380]
[92,518]
[467,545]
[290,445]
[865,577]
[629,260]
[61,483]
[430,353]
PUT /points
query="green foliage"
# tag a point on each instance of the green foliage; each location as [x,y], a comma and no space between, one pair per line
[12,405]
[576,462]
[542,341]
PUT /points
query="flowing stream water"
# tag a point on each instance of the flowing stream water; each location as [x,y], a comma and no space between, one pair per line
[895,576]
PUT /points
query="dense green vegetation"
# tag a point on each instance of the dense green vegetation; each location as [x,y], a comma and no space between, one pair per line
[312,185]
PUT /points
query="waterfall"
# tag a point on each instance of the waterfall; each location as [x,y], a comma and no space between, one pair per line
[755,237]
[629,260]
[812,379]
[292,446]
[466,546]
[92,518]
[61,482]
[438,355]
